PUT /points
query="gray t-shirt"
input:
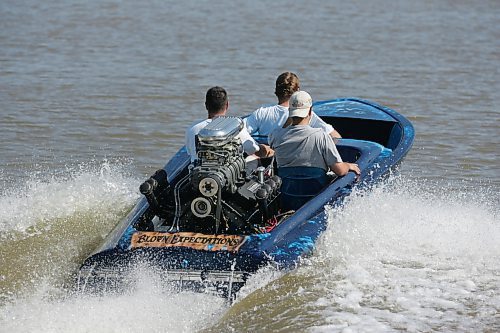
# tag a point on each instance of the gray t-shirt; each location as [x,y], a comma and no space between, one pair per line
[302,145]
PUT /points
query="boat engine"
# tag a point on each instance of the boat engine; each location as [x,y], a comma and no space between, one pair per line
[224,195]
[217,195]
[220,165]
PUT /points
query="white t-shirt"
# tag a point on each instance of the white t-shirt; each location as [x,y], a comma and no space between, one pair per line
[249,145]
[268,118]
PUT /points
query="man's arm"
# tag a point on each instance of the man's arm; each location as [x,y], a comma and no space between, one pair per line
[251,123]
[335,135]
[249,145]
[333,158]
[342,168]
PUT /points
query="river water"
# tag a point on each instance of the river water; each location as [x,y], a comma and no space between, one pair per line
[96,95]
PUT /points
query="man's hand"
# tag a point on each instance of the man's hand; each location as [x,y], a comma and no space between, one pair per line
[264,151]
[343,168]
[354,167]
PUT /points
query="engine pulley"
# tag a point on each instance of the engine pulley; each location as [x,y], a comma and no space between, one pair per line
[208,187]
[201,207]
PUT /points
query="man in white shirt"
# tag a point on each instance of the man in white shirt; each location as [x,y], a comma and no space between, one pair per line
[266,119]
[217,104]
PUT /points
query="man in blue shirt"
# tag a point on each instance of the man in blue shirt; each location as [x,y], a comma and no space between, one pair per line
[266,119]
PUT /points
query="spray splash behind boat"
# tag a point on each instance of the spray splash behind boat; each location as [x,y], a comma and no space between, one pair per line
[434,250]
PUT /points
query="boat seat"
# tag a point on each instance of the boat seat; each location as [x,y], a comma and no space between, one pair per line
[300,184]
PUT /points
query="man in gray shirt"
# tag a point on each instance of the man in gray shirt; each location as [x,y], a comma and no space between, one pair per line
[300,145]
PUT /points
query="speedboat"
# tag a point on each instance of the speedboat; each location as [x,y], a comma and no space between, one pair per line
[211,224]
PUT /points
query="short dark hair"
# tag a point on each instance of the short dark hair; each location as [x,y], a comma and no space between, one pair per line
[286,84]
[216,99]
